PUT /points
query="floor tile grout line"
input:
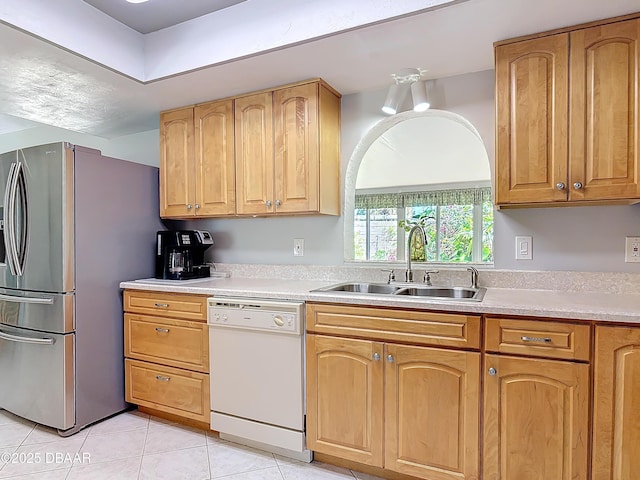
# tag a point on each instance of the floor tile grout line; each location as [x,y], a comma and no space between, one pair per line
[144,445]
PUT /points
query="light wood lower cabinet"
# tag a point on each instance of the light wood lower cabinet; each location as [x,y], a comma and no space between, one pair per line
[345,398]
[167,353]
[432,412]
[408,409]
[616,415]
[536,419]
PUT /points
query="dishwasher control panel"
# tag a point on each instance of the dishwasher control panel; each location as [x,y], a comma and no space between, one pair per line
[256,314]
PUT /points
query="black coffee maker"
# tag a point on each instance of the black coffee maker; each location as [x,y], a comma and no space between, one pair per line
[180,254]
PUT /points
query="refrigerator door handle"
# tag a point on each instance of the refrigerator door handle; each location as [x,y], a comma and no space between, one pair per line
[40,301]
[9,198]
[19,339]
[20,249]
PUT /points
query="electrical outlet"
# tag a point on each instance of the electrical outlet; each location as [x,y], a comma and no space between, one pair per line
[632,249]
[298,247]
[524,248]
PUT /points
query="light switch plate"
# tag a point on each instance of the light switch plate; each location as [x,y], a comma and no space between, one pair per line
[524,248]
[632,249]
[298,247]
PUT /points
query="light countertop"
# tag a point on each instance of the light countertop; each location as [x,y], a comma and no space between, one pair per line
[606,307]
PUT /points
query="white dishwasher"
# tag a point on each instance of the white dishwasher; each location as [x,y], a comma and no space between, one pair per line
[256,352]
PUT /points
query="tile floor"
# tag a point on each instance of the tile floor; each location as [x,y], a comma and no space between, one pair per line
[134,446]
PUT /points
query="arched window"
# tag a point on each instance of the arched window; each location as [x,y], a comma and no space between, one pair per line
[429,168]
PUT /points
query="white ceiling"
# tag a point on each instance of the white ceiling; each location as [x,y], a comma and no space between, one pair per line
[155,15]
[76,68]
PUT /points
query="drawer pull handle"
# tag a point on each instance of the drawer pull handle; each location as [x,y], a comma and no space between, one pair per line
[162,378]
[162,305]
[536,339]
[162,330]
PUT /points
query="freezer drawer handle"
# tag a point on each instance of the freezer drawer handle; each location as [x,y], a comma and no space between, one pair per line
[16,338]
[162,378]
[41,301]
[162,305]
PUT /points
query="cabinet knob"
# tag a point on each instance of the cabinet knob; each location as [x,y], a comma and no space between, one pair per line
[278,203]
[189,206]
[492,371]
[560,185]
[268,202]
[376,356]
[197,206]
[577,185]
[390,358]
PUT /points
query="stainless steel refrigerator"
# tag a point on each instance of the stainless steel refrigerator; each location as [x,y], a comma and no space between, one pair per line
[74,225]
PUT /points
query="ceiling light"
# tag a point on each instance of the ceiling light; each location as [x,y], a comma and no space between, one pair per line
[405,78]
[420,96]
[137,1]
[394,97]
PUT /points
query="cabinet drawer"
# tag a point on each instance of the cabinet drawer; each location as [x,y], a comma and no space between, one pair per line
[178,343]
[538,338]
[412,326]
[178,305]
[171,390]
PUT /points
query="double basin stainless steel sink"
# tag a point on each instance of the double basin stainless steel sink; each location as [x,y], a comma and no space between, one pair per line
[410,290]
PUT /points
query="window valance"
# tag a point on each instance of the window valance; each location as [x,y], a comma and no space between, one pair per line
[466,196]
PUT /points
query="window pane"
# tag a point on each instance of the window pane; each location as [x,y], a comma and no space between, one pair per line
[383,234]
[360,234]
[456,233]
[487,232]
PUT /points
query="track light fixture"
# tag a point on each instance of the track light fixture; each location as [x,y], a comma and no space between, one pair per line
[405,79]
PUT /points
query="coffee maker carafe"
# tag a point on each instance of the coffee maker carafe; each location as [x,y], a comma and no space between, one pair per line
[180,254]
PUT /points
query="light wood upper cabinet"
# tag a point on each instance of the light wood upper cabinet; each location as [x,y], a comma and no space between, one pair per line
[177,172]
[287,151]
[616,429]
[605,109]
[254,154]
[197,171]
[214,157]
[432,412]
[345,398]
[536,419]
[271,152]
[531,125]
[567,106]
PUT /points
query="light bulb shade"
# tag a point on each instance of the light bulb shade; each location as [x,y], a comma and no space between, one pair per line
[390,106]
[420,96]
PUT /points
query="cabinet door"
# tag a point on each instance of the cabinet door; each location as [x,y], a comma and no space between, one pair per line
[605,74]
[616,405]
[296,148]
[254,154]
[177,172]
[344,398]
[536,423]
[215,162]
[432,403]
[532,124]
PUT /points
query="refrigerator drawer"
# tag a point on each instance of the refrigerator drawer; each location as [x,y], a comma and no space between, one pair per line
[171,390]
[177,343]
[47,312]
[37,376]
